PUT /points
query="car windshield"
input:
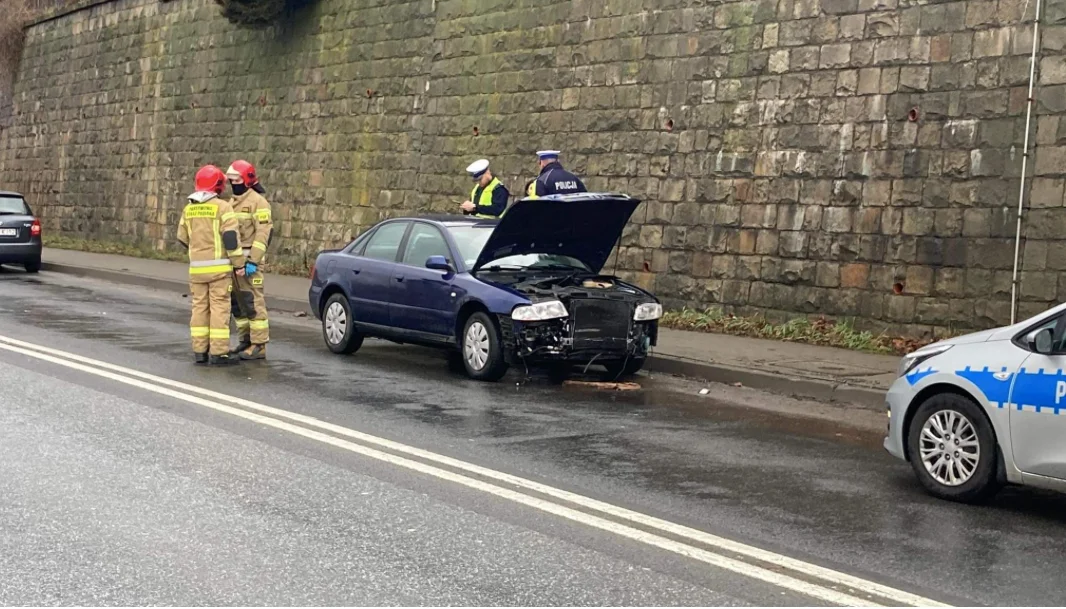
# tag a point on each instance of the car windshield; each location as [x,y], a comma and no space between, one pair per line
[13,205]
[471,240]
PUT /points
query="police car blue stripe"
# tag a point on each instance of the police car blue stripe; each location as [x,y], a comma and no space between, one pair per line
[1037,391]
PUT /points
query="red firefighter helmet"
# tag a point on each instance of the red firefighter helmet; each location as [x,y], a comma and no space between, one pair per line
[243,171]
[210,179]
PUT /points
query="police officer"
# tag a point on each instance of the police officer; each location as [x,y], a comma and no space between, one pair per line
[208,229]
[256,225]
[553,179]
[489,197]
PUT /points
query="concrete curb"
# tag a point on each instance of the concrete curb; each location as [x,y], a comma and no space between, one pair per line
[826,391]
[716,373]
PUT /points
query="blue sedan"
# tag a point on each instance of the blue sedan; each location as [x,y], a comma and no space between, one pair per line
[524,289]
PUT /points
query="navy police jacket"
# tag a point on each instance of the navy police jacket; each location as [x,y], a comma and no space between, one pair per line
[554,180]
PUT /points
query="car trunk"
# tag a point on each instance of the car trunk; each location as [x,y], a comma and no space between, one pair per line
[15,228]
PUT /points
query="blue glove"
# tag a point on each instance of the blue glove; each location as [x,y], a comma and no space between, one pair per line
[250,268]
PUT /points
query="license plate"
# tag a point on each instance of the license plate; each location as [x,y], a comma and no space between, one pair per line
[9,232]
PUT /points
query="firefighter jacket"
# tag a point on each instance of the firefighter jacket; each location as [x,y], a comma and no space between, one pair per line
[208,228]
[256,225]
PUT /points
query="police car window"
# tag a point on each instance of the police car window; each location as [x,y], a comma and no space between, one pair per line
[385,242]
[1058,333]
[423,242]
[1058,329]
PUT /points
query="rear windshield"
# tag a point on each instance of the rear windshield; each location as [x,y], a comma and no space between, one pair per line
[13,205]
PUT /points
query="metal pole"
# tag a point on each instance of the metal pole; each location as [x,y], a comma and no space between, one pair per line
[1025,159]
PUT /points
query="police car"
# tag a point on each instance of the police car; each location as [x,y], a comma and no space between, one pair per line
[979,411]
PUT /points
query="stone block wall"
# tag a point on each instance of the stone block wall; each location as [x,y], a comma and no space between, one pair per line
[848,157]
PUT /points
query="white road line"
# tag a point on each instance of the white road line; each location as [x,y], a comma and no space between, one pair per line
[834,578]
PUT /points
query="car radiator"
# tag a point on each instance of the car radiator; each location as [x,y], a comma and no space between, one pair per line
[600,323]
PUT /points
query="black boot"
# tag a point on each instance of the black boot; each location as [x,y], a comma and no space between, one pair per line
[225,360]
[244,345]
[201,358]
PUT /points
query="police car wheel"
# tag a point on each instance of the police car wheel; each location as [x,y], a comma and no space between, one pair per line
[952,449]
[338,329]
[482,349]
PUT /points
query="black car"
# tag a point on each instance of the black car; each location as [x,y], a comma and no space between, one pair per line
[20,232]
[527,289]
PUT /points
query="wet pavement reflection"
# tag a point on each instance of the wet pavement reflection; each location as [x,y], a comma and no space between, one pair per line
[814,489]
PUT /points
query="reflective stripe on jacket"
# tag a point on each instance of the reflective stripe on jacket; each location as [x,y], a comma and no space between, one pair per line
[490,203]
[255,224]
[203,223]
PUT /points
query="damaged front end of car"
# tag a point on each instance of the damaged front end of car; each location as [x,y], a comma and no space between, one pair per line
[581,320]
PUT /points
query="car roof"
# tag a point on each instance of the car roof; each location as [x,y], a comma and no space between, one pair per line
[451,220]
[9,193]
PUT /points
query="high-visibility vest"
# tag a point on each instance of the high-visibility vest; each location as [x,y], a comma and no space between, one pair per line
[485,200]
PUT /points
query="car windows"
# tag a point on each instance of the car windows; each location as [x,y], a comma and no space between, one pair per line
[357,245]
[1058,334]
[13,205]
[424,241]
[385,242]
[471,240]
[1057,326]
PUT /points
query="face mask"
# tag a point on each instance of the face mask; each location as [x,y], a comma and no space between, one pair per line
[239,189]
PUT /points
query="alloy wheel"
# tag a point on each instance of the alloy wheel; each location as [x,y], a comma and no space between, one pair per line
[950,448]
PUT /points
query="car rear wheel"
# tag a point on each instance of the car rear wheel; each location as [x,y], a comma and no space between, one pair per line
[624,368]
[952,449]
[482,349]
[338,326]
[32,266]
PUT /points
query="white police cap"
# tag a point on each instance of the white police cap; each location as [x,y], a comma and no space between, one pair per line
[478,168]
[547,154]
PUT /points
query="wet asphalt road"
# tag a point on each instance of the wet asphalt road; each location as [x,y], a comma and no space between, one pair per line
[113,495]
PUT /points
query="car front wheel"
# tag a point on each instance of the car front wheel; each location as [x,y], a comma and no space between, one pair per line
[953,450]
[482,350]
[338,326]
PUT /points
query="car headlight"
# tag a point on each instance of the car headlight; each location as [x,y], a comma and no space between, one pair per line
[549,309]
[911,361]
[648,311]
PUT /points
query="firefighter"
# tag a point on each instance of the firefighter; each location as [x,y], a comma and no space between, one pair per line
[208,229]
[489,197]
[256,226]
[553,179]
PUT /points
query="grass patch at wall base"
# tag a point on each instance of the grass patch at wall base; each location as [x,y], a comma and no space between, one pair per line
[819,331]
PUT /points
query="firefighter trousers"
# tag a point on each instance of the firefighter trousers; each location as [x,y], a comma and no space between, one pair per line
[209,325]
[248,305]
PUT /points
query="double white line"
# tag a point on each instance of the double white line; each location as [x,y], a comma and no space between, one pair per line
[778,570]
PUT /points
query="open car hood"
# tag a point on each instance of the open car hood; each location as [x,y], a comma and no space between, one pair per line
[584,226]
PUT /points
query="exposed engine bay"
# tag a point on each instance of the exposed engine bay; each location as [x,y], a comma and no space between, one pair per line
[600,324]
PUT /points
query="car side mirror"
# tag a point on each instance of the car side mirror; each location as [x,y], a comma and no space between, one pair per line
[1040,341]
[439,263]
